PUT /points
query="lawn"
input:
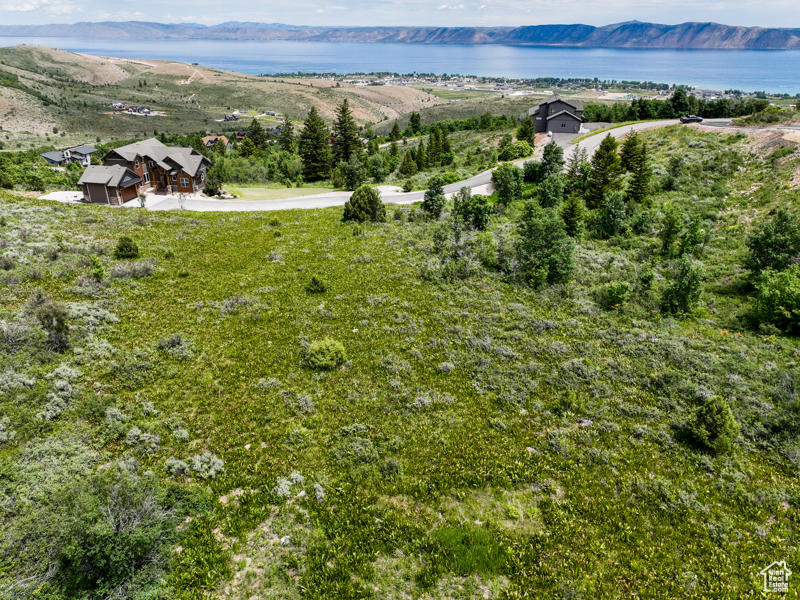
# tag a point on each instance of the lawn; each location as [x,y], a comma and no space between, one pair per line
[269,192]
[480,439]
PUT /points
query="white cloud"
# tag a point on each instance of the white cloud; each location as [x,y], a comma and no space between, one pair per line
[53,7]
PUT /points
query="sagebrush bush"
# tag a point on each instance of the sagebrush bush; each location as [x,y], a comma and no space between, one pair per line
[325,354]
[207,465]
[713,425]
[132,270]
[126,248]
[53,318]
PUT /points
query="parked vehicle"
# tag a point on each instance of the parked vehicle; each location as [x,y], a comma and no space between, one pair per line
[691,119]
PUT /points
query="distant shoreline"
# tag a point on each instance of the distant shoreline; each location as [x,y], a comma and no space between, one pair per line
[631,35]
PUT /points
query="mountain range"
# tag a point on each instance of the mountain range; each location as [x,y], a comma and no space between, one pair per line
[631,34]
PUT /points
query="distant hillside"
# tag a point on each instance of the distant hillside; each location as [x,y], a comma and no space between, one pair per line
[632,34]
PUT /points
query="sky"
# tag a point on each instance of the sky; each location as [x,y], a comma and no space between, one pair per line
[768,13]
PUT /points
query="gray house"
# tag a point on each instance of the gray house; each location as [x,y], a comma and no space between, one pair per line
[557,115]
[105,184]
[77,154]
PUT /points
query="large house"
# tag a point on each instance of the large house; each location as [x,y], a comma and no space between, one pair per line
[77,154]
[557,115]
[171,169]
[104,184]
[212,140]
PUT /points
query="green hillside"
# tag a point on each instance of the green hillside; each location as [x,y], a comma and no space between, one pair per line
[165,432]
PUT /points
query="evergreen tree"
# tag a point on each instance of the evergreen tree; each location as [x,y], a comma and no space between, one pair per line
[679,102]
[552,159]
[435,199]
[526,131]
[573,214]
[612,215]
[629,148]
[364,205]
[550,192]
[395,134]
[313,147]
[445,142]
[421,156]
[394,149]
[578,170]
[606,171]
[638,191]
[345,133]
[286,138]
[507,179]
[434,147]
[415,123]
[257,135]
[409,166]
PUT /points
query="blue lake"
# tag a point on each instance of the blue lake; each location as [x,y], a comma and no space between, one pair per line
[748,70]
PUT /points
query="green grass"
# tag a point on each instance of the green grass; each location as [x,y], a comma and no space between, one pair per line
[482,437]
[274,192]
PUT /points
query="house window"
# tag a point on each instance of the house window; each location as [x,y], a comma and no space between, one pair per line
[563,125]
[147,177]
[136,164]
[185,182]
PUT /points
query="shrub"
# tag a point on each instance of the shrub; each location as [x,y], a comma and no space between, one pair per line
[774,244]
[98,271]
[325,354]
[175,345]
[316,286]
[544,248]
[515,150]
[682,294]
[207,465]
[507,179]
[434,200]
[713,425]
[101,536]
[126,248]
[777,299]
[532,171]
[473,211]
[53,318]
[364,205]
[614,295]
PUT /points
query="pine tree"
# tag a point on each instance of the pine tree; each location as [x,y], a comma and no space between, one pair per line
[572,213]
[445,142]
[257,135]
[577,172]
[526,132]
[313,147]
[394,149]
[415,123]
[286,138]
[409,166]
[552,159]
[638,191]
[345,133]
[395,133]
[629,148]
[434,148]
[606,171]
[422,157]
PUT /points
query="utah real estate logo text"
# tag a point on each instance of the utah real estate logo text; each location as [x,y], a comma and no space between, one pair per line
[776,577]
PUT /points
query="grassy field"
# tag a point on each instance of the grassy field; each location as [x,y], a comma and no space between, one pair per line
[482,439]
[248,192]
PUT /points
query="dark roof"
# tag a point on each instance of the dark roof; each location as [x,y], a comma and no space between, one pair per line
[83,149]
[577,105]
[111,176]
[54,155]
[168,158]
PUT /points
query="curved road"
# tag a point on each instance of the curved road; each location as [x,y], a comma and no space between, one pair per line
[480,183]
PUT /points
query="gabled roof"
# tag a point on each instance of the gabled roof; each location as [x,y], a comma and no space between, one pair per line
[54,155]
[565,112]
[83,149]
[109,175]
[169,158]
[576,104]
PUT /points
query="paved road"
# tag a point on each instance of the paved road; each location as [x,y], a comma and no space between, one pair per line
[480,183]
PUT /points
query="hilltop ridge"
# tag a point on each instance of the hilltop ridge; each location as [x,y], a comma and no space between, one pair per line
[630,34]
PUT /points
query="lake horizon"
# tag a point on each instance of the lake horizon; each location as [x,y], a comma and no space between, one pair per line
[772,71]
